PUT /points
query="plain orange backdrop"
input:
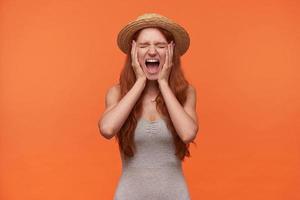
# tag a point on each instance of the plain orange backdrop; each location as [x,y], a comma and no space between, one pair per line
[58,58]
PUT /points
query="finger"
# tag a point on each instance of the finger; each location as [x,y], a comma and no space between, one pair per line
[132,49]
[170,55]
[167,57]
[135,53]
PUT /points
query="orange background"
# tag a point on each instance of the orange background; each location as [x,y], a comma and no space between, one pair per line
[58,58]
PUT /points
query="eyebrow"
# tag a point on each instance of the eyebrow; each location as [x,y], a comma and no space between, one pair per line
[142,43]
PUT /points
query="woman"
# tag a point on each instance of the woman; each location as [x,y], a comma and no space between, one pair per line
[152,111]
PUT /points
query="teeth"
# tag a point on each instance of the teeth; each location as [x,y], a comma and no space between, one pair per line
[152,60]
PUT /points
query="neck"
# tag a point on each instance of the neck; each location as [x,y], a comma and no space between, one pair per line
[151,87]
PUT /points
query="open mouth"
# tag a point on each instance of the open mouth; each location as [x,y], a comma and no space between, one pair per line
[152,65]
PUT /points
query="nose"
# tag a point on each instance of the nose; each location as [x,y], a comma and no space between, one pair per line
[152,50]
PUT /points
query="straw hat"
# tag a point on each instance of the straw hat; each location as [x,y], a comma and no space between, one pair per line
[181,36]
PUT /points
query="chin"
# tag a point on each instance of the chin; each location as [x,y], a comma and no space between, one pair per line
[152,77]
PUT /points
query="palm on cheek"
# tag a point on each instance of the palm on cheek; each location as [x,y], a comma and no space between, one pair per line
[166,69]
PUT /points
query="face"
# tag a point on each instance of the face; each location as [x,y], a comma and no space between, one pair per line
[151,51]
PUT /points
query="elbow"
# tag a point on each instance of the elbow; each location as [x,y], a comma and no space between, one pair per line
[191,137]
[105,131]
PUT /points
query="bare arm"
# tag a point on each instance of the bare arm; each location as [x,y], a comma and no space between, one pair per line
[116,112]
[184,118]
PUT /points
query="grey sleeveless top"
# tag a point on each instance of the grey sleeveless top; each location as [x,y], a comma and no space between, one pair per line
[154,172]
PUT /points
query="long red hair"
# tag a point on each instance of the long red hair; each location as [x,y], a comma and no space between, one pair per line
[178,85]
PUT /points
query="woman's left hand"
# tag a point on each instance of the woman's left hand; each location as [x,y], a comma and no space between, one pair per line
[166,69]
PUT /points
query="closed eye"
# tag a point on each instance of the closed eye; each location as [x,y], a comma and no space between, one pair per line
[143,46]
[159,46]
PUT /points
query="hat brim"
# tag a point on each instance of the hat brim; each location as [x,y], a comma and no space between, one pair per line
[181,36]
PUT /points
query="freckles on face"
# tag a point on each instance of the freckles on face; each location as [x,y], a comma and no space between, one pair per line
[142,55]
[151,50]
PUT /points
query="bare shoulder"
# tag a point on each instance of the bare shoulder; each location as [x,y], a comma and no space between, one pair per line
[190,104]
[112,95]
[191,96]
[114,89]
[191,90]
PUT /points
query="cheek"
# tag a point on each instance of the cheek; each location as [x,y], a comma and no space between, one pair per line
[140,57]
[138,53]
[163,53]
[163,56]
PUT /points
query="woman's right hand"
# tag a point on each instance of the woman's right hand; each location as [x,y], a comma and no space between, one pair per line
[139,73]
